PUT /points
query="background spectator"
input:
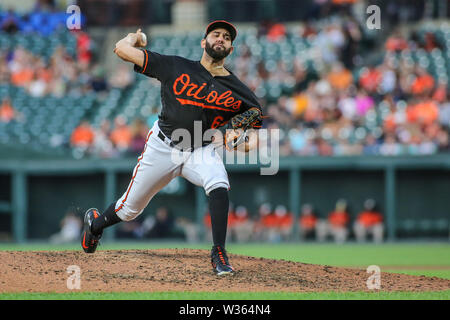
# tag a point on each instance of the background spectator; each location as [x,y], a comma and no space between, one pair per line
[307,222]
[7,112]
[121,136]
[82,136]
[122,77]
[70,228]
[10,22]
[242,226]
[284,222]
[161,225]
[139,132]
[369,222]
[188,228]
[102,146]
[336,225]
[264,223]
[130,230]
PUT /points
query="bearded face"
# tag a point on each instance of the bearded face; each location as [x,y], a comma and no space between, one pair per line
[216,51]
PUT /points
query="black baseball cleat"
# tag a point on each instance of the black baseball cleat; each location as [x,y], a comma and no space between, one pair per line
[219,261]
[89,241]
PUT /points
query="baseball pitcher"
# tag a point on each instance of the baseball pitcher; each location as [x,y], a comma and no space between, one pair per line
[192,92]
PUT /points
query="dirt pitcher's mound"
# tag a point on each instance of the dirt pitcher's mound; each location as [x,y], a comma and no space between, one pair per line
[185,270]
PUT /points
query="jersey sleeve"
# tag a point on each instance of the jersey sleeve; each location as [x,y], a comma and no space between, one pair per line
[155,65]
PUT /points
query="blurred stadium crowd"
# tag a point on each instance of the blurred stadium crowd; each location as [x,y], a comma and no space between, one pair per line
[397,106]
[328,85]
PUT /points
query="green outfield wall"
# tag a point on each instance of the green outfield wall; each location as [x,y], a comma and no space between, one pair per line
[413,193]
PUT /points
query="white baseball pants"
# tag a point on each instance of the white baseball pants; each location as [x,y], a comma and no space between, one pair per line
[159,163]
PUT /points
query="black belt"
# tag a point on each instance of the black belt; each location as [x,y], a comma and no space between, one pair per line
[163,138]
[169,142]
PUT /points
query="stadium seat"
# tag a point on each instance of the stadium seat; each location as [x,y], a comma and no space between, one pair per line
[425,225]
[441,224]
[407,225]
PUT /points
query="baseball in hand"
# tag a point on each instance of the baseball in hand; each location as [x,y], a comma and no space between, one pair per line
[141,39]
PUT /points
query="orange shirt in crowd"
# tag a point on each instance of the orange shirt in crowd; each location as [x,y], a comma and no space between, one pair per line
[237,220]
[22,77]
[370,79]
[82,136]
[207,220]
[83,47]
[45,74]
[6,112]
[422,84]
[285,221]
[425,112]
[268,221]
[121,136]
[308,221]
[276,32]
[440,94]
[369,218]
[232,219]
[301,103]
[389,122]
[396,43]
[340,80]
[338,218]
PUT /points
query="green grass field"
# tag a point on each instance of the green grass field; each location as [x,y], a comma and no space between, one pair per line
[429,259]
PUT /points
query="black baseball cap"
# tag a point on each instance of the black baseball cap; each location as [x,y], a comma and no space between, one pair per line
[222,24]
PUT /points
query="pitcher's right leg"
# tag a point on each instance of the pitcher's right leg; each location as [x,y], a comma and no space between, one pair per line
[153,171]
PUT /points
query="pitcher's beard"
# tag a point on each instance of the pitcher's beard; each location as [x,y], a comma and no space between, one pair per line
[216,55]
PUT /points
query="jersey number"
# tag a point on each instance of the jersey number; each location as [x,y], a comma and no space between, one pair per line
[218,122]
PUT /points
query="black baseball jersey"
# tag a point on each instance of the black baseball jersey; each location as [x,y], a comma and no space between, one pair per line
[190,93]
